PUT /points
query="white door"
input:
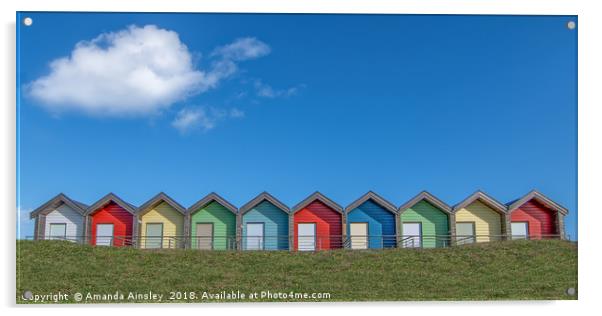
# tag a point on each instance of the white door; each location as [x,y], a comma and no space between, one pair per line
[412,235]
[520,230]
[465,233]
[254,236]
[57,231]
[104,234]
[359,235]
[306,240]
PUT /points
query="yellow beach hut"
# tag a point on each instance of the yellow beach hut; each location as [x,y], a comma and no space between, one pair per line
[479,218]
[160,223]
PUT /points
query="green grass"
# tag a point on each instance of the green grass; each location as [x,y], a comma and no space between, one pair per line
[513,270]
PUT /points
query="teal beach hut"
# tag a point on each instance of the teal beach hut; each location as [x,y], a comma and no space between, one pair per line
[264,224]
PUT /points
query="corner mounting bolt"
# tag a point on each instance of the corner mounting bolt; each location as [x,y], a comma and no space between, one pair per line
[571,25]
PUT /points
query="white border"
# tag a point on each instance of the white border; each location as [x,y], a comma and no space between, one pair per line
[590,85]
[324,6]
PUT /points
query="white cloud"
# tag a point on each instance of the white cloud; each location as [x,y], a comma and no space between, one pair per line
[227,56]
[193,118]
[133,72]
[266,91]
[187,119]
[243,49]
[236,113]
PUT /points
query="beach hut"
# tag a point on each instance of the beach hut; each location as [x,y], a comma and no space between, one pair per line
[212,222]
[425,222]
[264,224]
[371,222]
[536,216]
[111,222]
[479,218]
[317,224]
[60,218]
[161,223]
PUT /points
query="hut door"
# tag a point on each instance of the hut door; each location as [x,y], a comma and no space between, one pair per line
[520,230]
[154,235]
[306,239]
[412,235]
[359,235]
[204,236]
[104,234]
[255,236]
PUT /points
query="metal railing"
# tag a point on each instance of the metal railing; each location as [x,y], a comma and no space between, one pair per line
[165,242]
[73,239]
[537,237]
[212,242]
[115,241]
[425,241]
[371,241]
[295,243]
[319,242]
[264,242]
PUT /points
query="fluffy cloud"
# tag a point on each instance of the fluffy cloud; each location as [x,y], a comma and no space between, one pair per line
[266,91]
[226,57]
[243,49]
[193,118]
[133,72]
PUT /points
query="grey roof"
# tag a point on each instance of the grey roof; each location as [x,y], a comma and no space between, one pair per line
[426,196]
[56,202]
[111,197]
[210,198]
[370,195]
[320,197]
[534,194]
[264,196]
[483,197]
[161,197]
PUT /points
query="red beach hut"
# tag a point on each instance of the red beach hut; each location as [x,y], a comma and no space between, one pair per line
[110,222]
[317,224]
[535,216]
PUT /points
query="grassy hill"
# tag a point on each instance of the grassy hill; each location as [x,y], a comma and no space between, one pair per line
[513,270]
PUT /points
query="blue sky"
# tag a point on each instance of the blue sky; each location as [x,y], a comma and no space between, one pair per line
[291,104]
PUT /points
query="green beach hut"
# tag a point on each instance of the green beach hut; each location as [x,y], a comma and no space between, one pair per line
[212,222]
[425,222]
